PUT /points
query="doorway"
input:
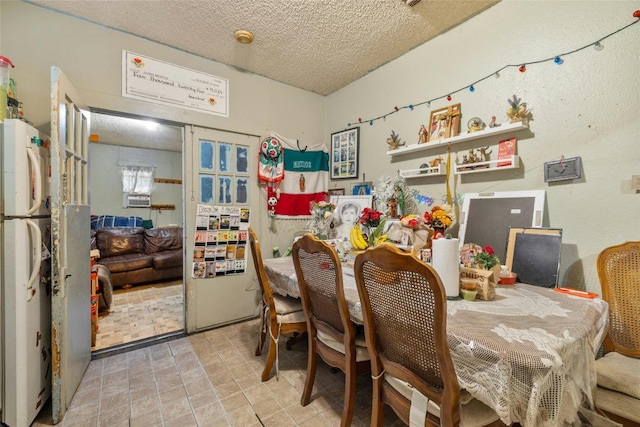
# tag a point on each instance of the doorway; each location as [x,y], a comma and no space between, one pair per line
[141,307]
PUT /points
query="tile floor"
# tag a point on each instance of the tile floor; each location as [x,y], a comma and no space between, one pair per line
[209,379]
[141,312]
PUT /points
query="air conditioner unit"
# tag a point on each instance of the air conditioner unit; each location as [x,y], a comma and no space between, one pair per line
[136,201]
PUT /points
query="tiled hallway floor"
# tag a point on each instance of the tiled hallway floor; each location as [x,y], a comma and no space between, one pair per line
[210,379]
[141,312]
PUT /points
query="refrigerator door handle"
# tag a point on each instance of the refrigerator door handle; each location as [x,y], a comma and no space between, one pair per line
[36,179]
[37,258]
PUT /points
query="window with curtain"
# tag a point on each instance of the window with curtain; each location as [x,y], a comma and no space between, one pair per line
[137,179]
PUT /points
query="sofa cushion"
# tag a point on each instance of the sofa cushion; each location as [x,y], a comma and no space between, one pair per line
[115,241]
[167,259]
[129,262]
[163,239]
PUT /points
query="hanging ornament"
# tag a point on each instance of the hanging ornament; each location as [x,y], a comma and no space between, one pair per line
[395,108]
[636,14]
[598,46]
[448,97]
[558,60]
[522,68]
[472,89]
[410,107]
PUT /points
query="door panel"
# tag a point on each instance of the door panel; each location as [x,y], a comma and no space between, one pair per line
[70,231]
[223,299]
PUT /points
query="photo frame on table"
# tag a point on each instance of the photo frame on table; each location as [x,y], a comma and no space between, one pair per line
[362,188]
[560,170]
[336,192]
[444,123]
[347,212]
[343,157]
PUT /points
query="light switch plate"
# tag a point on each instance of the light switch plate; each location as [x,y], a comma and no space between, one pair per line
[635,182]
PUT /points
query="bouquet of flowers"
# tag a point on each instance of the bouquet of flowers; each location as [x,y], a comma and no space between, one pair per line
[412,221]
[321,213]
[370,218]
[439,217]
[517,109]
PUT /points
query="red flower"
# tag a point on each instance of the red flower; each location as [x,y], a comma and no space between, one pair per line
[413,223]
[489,250]
[427,217]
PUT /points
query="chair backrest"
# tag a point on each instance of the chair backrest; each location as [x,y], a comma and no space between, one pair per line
[619,273]
[321,289]
[267,295]
[405,315]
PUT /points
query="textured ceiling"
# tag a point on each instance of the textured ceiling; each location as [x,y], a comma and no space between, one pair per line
[316,45]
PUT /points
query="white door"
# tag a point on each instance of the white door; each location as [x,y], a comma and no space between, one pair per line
[70,233]
[220,170]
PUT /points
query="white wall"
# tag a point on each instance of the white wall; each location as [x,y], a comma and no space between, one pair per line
[589,107]
[106,185]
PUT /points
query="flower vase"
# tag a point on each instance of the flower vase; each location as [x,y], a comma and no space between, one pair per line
[438,233]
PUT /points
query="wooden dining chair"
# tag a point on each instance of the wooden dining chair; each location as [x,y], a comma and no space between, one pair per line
[280,315]
[618,391]
[332,334]
[404,309]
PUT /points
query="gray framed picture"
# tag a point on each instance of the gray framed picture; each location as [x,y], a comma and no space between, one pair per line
[563,169]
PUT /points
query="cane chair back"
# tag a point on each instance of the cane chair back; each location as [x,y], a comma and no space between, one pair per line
[280,315]
[618,392]
[332,335]
[619,273]
[405,317]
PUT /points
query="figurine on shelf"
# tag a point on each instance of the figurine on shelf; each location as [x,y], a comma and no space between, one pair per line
[474,125]
[436,162]
[518,110]
[484,155]
[423,135]
[493,123]
[394,141]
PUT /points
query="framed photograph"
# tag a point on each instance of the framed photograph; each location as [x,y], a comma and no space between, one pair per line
[444,123]
[362,188]
[343,157]
[346,214]
[336,192]
[560,170]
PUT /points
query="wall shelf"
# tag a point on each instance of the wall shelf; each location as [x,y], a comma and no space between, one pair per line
[504,128]
[424,172]
[488,166]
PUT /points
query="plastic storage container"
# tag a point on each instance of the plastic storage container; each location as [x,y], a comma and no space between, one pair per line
[5,66]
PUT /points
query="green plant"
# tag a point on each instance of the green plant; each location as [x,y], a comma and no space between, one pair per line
[485,259]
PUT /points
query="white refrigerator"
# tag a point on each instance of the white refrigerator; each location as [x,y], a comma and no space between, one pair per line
[25,272]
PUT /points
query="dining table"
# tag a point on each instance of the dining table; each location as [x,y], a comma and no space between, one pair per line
[529,353]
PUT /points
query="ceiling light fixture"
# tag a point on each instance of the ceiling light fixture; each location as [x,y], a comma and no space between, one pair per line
[411,3]
[244,36]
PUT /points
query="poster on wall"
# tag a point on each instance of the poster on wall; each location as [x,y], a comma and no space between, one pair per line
[159,82]
[220,243]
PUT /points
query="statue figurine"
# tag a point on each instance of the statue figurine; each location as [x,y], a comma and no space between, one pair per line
[392,204]
[423,135]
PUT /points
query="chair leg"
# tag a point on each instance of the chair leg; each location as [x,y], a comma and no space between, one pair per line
[271,357]
[311,373]
[299,336]
[349,396]
[263,334]
[377,410]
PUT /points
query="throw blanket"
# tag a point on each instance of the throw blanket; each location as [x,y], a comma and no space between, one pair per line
[620,373]
[101,221]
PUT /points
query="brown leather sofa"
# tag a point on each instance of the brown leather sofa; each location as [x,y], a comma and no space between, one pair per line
[134,255]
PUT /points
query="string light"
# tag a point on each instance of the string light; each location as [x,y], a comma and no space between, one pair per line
[521,67]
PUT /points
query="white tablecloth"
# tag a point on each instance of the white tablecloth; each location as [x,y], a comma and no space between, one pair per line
[529,354]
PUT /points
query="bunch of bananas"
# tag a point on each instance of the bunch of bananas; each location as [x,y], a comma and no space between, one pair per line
[357,239]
